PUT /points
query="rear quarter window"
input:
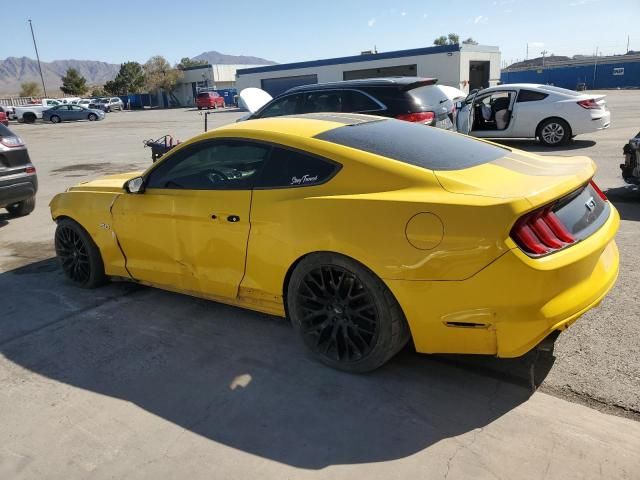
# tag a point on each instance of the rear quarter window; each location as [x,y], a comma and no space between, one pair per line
[530,96]
[291,168]
[414,144]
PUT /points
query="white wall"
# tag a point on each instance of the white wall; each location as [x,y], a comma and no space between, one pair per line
[443,66]
[471,53]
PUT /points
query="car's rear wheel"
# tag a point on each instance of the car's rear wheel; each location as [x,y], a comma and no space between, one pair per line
[29,118]
[92,117]
[55,119]
[554,131]
[22,208]
[344,313]
[78,255]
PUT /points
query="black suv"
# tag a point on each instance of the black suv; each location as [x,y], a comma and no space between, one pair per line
[413,99]
[18,180]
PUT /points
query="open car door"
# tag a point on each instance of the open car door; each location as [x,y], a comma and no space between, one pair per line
[464,116]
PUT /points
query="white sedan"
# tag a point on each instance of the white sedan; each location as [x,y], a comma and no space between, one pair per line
[553,115]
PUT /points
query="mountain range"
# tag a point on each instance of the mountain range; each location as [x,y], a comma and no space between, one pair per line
[15,71]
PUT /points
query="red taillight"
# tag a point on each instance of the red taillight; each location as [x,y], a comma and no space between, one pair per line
[541,232]
[590,104]
[30,169]
[598,191]
[418,117]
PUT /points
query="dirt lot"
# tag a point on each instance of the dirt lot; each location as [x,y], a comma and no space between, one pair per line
[134,378]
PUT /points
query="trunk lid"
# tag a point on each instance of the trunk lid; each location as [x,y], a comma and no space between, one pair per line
[518,174]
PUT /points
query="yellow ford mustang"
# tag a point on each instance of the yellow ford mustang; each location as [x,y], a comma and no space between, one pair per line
[364,231]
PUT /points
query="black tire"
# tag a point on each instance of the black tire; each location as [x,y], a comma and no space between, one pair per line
[199,108]
[22,208]
[554,132]
[78,255]
[29,118]
[344,313]
[55,119]
[92,117]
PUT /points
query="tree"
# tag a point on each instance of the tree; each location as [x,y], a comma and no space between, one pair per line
[98,92]
[442,40]
[454,39]
[73,83]
[130,79]
[158,73]
[29,89]
[469,41]
[186,62]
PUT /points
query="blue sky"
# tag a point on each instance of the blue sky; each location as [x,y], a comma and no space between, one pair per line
[294,30]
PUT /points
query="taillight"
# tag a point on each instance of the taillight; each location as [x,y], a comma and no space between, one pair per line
[30,169]
[12,141]
[541,232]
[418,117]
[590,104]
[598,191]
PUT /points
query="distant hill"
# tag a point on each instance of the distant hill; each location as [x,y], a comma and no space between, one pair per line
[14,71]
[214,57]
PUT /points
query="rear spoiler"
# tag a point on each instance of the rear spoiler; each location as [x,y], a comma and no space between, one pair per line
[423,82]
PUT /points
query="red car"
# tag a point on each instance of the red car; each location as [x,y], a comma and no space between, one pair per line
[4,120]
[209,100]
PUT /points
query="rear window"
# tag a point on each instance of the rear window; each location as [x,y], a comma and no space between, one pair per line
[5,132]
[428,96]
[203,95]
[426,147]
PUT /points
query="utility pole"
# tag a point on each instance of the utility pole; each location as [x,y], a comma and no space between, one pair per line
[544,52]
[595,66]
[527,57]
[44,89]
[627,43]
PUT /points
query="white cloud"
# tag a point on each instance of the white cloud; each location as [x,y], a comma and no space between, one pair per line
[480,19]
[371,22]
[536,44]
[425,15]
[404,14]
[579,3]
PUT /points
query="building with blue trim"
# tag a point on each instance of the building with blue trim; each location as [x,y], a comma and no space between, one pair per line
[618,71]
[460,66]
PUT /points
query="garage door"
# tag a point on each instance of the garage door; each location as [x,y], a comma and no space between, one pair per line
[276,86]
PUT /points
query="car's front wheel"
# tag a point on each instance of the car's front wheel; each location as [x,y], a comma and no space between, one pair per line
[55,119]
[79,256]
[553,132]
[22,208]
[344,313]
[92,117]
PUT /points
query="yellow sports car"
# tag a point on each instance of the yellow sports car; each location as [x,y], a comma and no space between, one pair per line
[364,231]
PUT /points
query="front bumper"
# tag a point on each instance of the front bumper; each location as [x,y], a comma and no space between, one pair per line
[514,303]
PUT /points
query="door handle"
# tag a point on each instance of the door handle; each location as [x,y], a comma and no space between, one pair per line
[233,218]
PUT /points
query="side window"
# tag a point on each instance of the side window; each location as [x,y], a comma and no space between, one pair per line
[530,96]
[284,106]
[290,168]
[331,101]
[75,107]
[211,165]
[362,103]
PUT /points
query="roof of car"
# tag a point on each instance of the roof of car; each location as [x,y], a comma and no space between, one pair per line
[404,83]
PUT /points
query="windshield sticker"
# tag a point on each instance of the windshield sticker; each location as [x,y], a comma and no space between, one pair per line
[304,179]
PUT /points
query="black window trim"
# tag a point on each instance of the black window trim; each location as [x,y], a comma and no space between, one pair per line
[337,166]
[529,90]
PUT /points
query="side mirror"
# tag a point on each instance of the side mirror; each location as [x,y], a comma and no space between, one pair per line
[459,105]
[135,185]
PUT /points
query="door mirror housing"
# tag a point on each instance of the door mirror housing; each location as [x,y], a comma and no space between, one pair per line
[135,185]
[459,105]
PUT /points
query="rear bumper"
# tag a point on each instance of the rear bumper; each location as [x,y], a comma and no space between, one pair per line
[598,120]
[514,303]
[17,188]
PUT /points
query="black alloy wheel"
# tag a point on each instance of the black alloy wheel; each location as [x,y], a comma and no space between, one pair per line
[78,255]
[73,255]
[340,317]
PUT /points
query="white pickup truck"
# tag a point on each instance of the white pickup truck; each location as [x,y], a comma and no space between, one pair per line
[30,113]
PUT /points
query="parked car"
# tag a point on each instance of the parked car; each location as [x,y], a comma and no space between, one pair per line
[454,94]
[30,113]
[64,113]
[631,166]
[364,231]
[413,99]
[18,179]
[10,111]
[209,100]
[90,103]
[553,115]
[110,104]
[4,118]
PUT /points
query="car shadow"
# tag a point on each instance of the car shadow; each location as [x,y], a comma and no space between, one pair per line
[237,377]
[535,146]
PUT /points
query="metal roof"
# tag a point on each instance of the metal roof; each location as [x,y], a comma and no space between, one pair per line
[352,59]
[404,83]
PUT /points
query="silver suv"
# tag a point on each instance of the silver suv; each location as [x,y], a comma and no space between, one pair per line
[110,104]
